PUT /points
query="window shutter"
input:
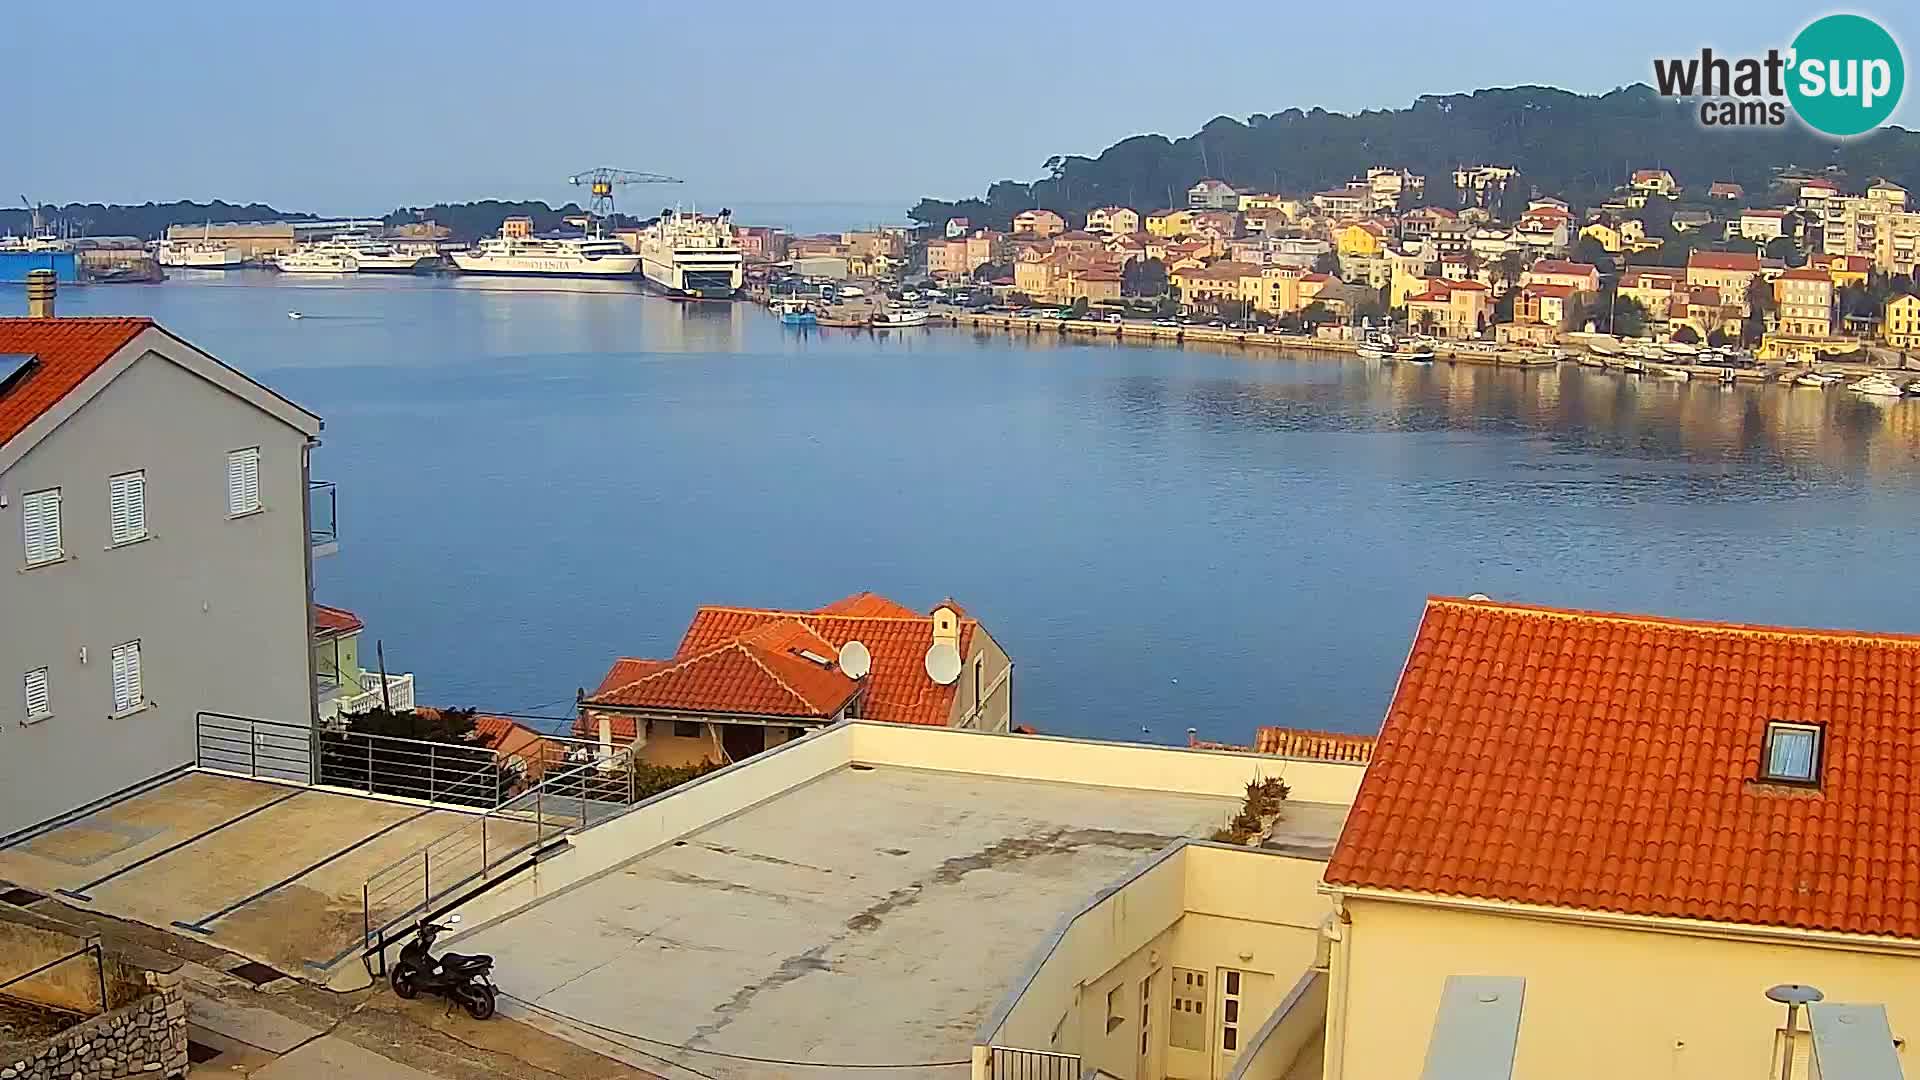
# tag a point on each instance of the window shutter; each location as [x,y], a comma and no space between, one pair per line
[243,481]
[39,700]
[126,677]
[127,506]
[41,512]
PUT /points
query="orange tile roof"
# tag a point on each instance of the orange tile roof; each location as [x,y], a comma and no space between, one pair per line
[328,621]
[1562,266]
[1607,762]
[1723,260]
[746,660]
[1316,745]
[67,351]
[503,736]
[1807,273]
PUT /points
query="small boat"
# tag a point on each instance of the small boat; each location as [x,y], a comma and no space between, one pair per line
[1633,366]
[1877,385]
[1680,348]
[1593,359]
[1913,389]
[900,317]
[796,314]
[842,321]
[1605,346]
[1413,354]
[295,315]
[318,259]
[1681,374]
[1815,378]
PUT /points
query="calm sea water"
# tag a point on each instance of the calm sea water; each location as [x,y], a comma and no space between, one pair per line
[536,478]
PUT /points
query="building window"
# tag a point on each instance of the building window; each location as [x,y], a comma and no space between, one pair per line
[127,507]
[243,481]
[686,729]
[39,697]
[127,692]
[1792,753]
[1230,1012]
[42,517]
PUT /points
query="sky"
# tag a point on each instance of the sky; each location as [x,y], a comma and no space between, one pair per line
[352,107]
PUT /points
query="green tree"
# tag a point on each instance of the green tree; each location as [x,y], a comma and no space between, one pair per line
[1589,250]
[992,271]
[1718,338]
[1787,250]
[1509,266]
[1079,308]
[1371,309]
[1629,317]
[1314,314]
[1686,335]
[1759,306]
[1143,277]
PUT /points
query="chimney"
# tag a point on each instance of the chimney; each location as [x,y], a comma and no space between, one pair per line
[41,285]
[946,626]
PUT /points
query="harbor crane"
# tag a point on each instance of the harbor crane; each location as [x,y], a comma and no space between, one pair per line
[601,181]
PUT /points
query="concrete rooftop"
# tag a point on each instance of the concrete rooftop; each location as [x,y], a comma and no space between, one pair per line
[872,915]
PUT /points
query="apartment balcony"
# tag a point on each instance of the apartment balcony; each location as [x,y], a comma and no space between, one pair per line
[324,523]
[347,697]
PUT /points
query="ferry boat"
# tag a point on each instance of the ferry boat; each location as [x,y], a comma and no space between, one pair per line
[317,259]
[581,256]
[685,254]
[900,317]
[202,254]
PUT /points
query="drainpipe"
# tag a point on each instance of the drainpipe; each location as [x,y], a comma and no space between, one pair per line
[1339,964]
[306,551]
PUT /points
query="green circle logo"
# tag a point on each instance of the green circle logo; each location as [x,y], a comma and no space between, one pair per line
[1847,75]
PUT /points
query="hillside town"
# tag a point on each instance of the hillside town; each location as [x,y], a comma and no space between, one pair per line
[1803,271]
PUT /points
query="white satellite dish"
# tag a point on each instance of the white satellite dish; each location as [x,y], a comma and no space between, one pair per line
[855,660]
[943,663]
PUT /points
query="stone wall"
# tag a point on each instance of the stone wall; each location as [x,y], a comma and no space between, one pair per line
[146,1039]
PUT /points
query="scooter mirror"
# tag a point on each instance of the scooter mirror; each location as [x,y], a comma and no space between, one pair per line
[453,920]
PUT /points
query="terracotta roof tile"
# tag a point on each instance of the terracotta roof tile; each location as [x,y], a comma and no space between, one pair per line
[1723,260]
[328,621]
[1608,762]
[747,660]
[67,351]
[1317,745]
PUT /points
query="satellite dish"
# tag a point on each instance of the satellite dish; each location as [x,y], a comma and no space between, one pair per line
[943,663]
[855,660]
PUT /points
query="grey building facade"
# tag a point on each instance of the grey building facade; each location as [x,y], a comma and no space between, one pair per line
[155,558]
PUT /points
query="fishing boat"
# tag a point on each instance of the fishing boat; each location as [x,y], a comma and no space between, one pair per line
[1877,385]
[1676,373]
[843,321]
[797,314]
[897,318]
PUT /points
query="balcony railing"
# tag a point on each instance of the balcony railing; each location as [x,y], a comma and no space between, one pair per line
[322,513]
[338,698]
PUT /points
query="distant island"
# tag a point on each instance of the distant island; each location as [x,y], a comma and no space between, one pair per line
[467,221]
[1581,147]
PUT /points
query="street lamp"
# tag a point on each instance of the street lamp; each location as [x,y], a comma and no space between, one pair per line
[1792,995]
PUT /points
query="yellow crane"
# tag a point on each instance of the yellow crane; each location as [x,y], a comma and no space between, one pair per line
[601,181]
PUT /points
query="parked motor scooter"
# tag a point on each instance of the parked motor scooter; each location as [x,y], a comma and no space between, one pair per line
[458,978]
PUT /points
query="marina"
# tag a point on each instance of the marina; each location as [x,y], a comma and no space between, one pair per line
[1250,503]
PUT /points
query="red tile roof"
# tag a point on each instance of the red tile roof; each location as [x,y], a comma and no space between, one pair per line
[328,621]
[1807,273]
[1723,260]
[1563,292]
[747,660]
[1317,745]
[67,351]
[503,736]
[1607,762]
[1563,266]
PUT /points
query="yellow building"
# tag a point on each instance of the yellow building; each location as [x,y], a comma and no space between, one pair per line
[1170,223]
[1450,309]
[1803,303]
[1607,236]
[1630,855]
[1901,328]
[1732,272]
[1844,269]
[1360,238]
[1038,223]
[1113,220]
[1214,284]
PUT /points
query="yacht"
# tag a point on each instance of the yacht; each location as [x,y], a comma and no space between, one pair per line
[685,254]
[377,256]
[528,256]
[317,259]
[1877,385]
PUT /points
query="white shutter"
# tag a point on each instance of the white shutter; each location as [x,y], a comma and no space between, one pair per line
[126,677]
[127,506]
[243,481]
[42,516]
[39,698]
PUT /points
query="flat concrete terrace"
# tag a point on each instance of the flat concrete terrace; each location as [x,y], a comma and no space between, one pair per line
[265,870]
[871,915]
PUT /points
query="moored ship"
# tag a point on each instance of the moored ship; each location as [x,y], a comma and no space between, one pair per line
[530,256]
[198,255]
[688,255]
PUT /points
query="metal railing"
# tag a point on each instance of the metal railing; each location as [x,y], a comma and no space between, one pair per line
[437,772]
[1009,1063]
[267,749]
[91,948]
[497,841]
[323,515]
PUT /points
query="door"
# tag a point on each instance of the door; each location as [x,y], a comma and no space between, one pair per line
[742,741]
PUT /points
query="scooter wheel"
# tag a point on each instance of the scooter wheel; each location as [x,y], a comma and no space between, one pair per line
[403,983]
[479,1002]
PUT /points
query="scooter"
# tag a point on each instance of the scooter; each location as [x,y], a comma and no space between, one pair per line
[458,978]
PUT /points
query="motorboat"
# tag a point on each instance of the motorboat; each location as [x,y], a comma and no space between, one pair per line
[896,318]
[797,314]
[1413,354]
[1815,378]
[1877,385]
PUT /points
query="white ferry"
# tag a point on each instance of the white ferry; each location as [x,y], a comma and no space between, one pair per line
[379,256]
[539,257]
[318,259]
[685,254]
[198,255]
